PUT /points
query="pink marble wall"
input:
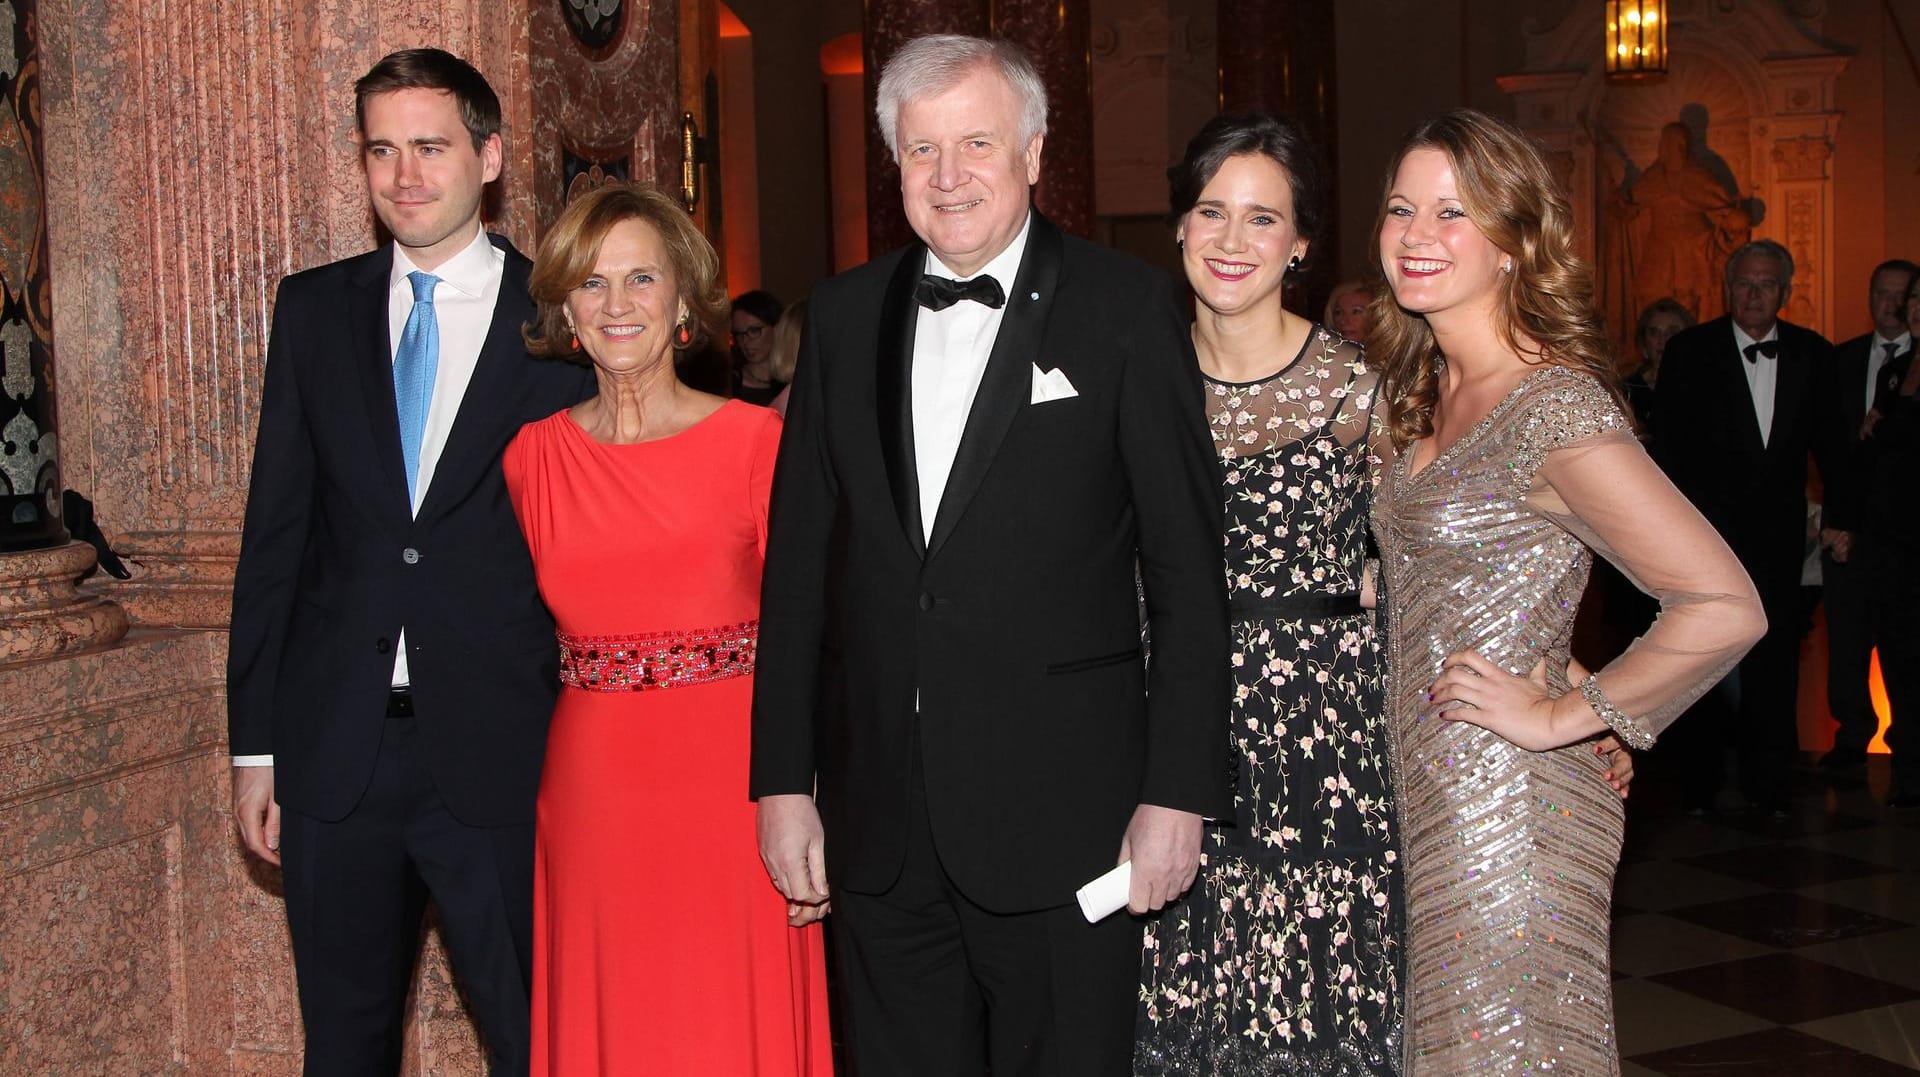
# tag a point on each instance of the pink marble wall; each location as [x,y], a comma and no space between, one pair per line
[197,152]
[1059,38]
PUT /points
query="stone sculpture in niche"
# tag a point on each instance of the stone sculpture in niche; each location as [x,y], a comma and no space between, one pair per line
[1676,225]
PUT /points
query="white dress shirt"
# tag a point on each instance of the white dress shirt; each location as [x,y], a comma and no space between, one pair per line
[463,305]
[1877,355]
[950,351]
[1763,377]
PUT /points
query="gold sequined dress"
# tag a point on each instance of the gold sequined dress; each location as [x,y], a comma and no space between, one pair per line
[1509,854]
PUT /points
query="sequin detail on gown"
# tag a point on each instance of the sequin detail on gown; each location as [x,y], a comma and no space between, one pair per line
[1284,958]
[1509,854]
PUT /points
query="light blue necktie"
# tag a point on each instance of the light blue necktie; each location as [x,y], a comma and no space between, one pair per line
[413,369]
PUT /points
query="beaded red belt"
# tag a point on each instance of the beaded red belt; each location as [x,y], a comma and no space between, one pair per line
[657,659]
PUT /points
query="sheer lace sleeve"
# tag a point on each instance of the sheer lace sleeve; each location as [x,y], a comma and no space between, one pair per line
[1594,479]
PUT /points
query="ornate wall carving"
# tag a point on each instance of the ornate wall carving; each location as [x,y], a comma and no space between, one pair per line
[1740,100]
[614,105]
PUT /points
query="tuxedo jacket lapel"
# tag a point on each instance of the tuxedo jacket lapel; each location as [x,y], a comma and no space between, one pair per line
[473,442]
[369,341]
[1007,384]
[894,395]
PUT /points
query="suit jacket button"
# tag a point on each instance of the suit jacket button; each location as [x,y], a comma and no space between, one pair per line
[926,601]
[382,645]
[410,555]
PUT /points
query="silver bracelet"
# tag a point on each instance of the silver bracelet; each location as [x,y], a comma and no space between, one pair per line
[1632,733]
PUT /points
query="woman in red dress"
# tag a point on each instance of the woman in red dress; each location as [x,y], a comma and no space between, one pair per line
[659,944]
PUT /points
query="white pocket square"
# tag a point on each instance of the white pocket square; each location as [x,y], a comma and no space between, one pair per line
[1051,385]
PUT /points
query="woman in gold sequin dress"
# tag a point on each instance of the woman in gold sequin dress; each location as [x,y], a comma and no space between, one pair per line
[1509,464]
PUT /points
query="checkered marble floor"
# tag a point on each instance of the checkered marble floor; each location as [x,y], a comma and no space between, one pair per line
[1754,946]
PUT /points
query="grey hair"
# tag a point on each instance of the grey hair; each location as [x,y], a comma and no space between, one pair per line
[1772,250]
[930,66]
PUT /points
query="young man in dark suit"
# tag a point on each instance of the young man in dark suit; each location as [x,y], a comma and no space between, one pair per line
[989,430]
[392,669]
[1859,367]
[1737,413]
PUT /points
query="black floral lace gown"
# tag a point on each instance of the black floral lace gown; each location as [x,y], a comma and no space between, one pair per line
[1284,958]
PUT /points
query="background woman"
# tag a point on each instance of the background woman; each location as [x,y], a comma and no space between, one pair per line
[1658,323]
[1349,310]
[1283,958]
[1512,461]
[660,946]
[786,351]
[754,315]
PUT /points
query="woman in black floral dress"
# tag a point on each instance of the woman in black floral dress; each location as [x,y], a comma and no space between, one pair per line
[1284,957]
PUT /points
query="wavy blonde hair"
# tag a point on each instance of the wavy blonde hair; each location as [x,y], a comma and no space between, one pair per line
[1546,312]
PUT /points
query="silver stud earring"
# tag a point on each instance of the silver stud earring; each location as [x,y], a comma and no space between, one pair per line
[1293,263]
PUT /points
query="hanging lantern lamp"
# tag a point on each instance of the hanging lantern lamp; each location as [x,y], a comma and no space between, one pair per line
[1636,40]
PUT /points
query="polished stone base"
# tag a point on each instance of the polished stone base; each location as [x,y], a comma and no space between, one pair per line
[135,937]
[44,613]
[181,579]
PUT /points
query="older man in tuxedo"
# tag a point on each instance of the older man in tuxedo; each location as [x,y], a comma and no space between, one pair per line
[989,430]
[1860,366]
[392,669]
[1737,415]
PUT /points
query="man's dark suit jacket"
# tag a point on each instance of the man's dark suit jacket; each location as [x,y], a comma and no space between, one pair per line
[1845,411]
[1708,441]
[333,565]
[1017,622]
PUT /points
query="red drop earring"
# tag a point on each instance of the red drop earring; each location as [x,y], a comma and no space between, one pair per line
[574,342]
[684,335]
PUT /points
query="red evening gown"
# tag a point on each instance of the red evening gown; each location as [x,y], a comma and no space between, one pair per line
[660,947]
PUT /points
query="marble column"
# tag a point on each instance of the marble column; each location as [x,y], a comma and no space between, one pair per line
[1058,35]
[197,152]
[1278,56]
[232,164]
[889,25]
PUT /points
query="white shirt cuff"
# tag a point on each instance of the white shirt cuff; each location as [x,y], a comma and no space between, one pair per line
[252,760]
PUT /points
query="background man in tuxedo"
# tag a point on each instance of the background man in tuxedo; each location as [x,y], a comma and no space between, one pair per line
[392,669]
[1859,367]
[1736,418]
[949,646]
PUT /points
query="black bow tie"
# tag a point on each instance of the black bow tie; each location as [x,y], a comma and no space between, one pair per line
[1768,348]
[939,293]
